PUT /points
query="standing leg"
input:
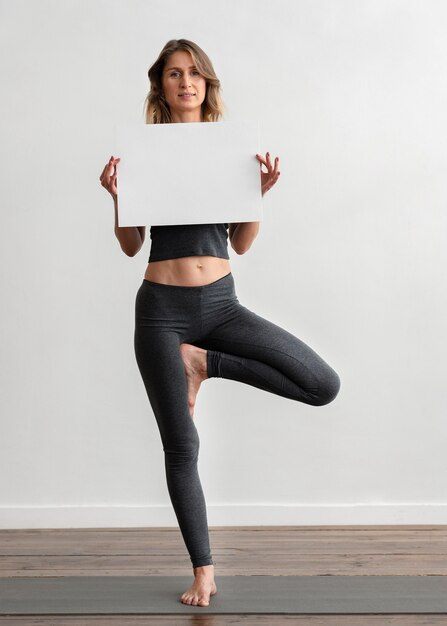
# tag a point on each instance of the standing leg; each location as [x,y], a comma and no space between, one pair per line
[161,367]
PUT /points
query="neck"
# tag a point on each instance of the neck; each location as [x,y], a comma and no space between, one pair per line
[187,116]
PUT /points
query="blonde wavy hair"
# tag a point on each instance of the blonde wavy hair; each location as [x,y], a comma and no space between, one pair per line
[157,109]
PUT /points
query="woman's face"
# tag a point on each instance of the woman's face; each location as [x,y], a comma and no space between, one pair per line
[180,76]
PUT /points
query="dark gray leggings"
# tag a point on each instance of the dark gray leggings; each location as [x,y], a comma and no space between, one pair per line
[241,346]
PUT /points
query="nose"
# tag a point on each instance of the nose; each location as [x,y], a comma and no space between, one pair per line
[185,82]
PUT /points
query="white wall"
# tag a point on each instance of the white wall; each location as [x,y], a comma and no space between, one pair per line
[351,257]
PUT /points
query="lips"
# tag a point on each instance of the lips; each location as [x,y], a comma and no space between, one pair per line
[186,94]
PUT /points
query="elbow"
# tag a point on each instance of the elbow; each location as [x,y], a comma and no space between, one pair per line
[130,248]
[130,239]
[240,250]
[130,251]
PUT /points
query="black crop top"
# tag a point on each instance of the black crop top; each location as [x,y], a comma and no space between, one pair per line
[172,242]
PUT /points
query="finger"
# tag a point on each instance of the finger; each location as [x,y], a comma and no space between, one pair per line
[107,166]
[274,180]
[114,170]
[261,163]
[107,176]
[103,171]
[276,165]
[112,162]
[269,163]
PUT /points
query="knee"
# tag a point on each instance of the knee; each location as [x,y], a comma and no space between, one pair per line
[182,451]
[329,389]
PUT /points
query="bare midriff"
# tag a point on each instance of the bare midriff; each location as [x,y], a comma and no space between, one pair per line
[188,271]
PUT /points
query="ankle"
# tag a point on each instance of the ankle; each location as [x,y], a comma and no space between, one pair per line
[203,569]
[202,361]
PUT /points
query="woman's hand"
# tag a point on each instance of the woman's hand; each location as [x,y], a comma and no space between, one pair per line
[108,176]
[269,178]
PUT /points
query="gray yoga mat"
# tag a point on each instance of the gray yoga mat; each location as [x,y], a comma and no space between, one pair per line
[102,595]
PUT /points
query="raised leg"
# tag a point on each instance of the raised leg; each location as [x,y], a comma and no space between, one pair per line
[251,349]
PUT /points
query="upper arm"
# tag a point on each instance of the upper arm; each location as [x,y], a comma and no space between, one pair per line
[142,231]
[246,236]
[231,230]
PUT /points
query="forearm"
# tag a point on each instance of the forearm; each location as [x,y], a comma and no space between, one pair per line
[243,236]
[128,236]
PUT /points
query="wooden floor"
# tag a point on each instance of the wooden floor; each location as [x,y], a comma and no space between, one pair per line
[268,550]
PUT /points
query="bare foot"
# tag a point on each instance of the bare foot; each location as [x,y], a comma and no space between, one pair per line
[202,588]
[194,360]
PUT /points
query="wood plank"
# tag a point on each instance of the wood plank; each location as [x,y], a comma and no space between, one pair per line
[242,565]
[147,541]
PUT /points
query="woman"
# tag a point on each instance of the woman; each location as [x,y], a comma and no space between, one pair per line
[189,324]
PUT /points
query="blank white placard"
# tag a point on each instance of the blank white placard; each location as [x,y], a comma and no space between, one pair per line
[188,173]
